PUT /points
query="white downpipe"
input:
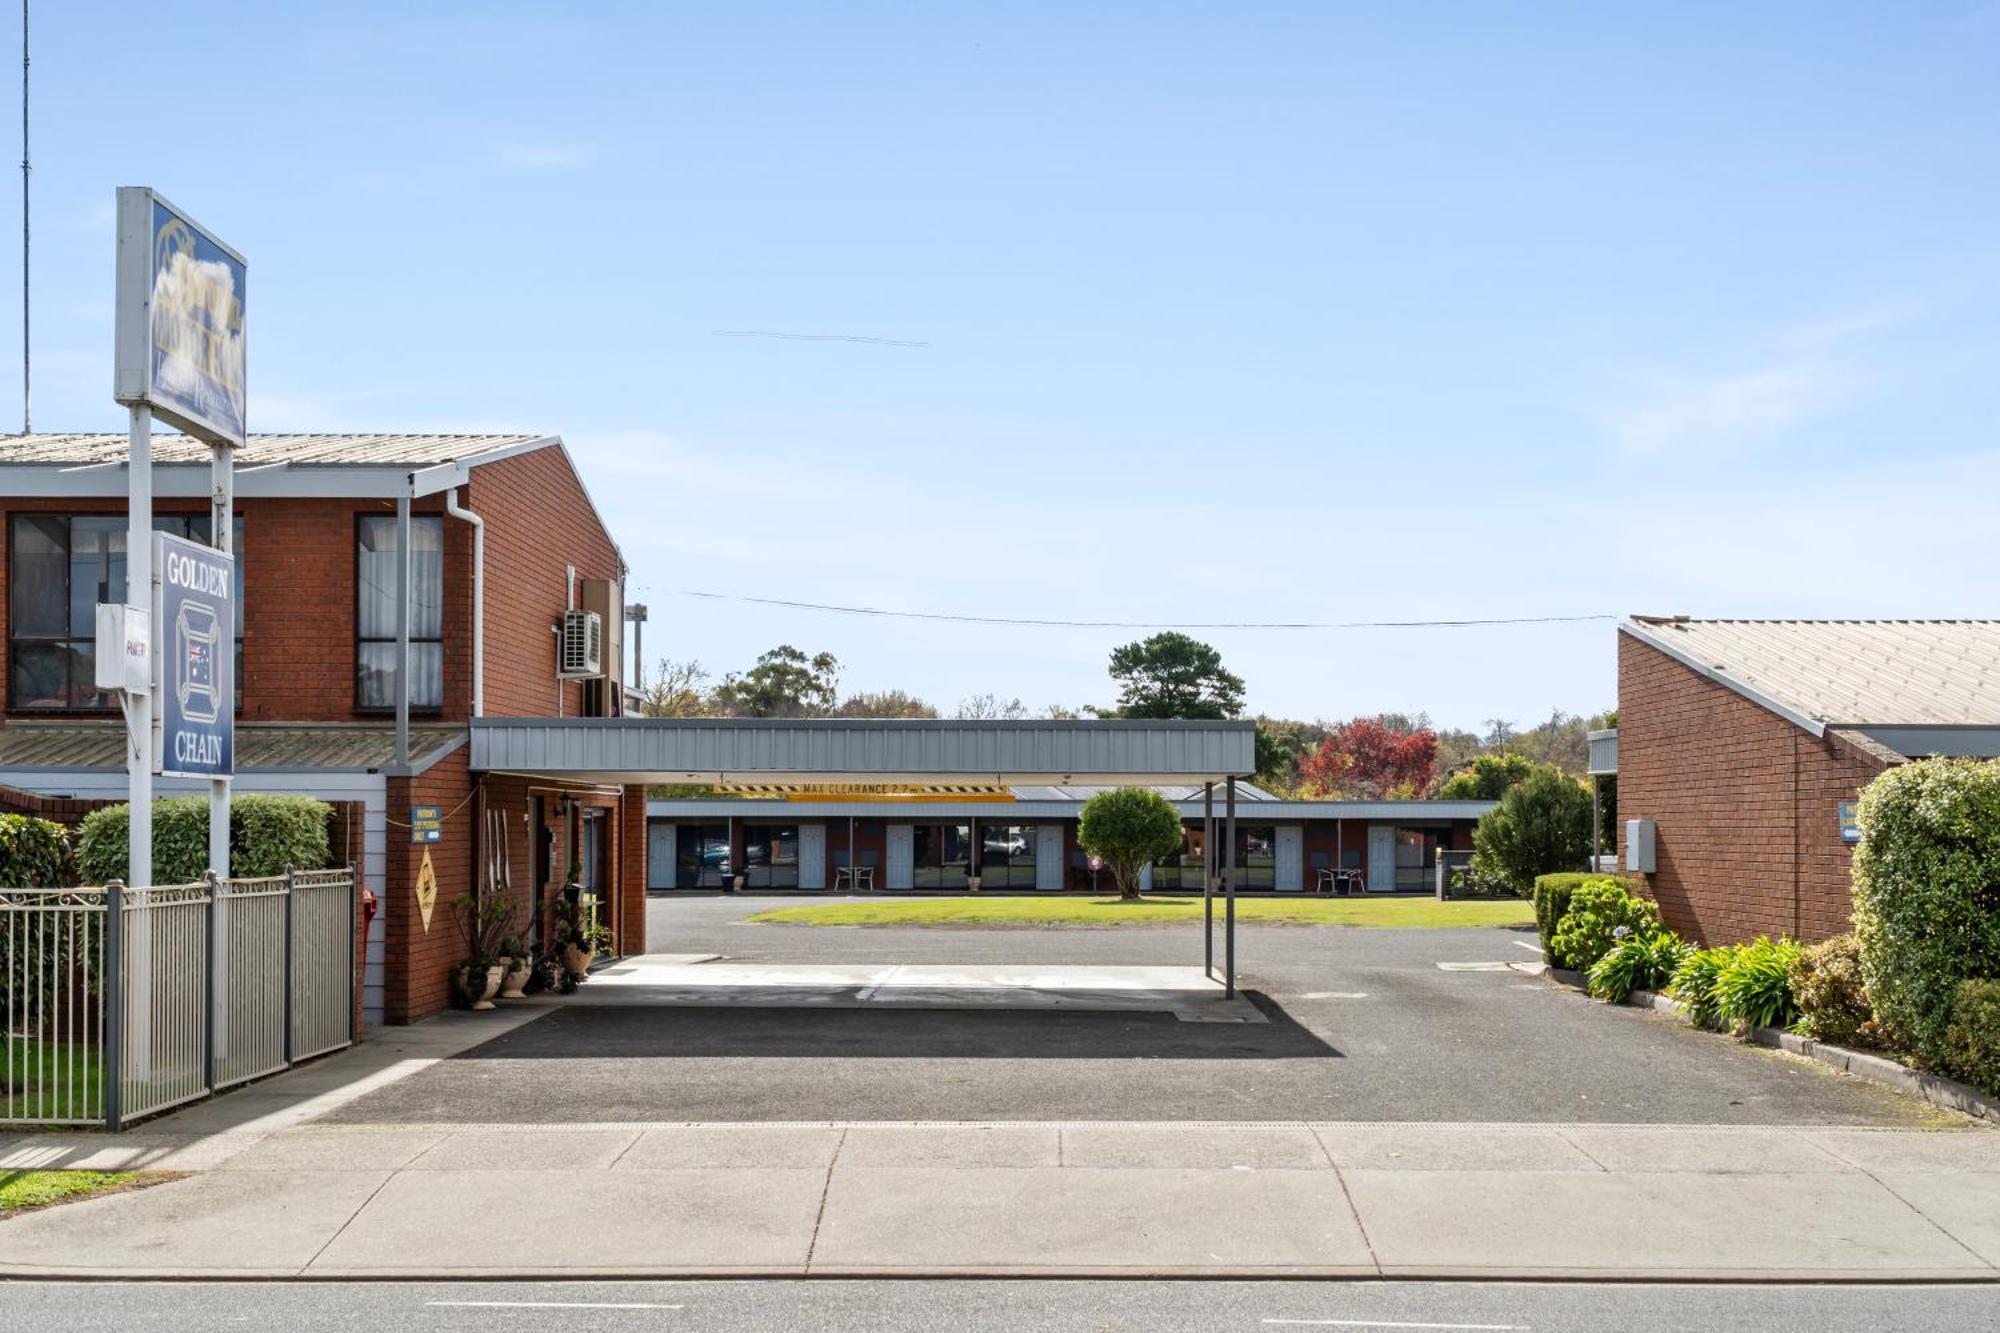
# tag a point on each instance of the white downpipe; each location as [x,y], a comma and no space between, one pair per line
[451,507]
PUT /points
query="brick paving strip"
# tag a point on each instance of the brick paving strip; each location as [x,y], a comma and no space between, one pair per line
[1096,1199]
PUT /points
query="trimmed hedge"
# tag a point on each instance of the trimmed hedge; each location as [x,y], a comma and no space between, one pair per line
[1927,894]
[266,834]
[1972,1040]
[34,854]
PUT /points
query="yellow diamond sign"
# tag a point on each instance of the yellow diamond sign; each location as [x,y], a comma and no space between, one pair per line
[427,890]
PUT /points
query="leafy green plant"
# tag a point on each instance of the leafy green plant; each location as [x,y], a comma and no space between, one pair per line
[1927,893]
[1541,825]
[1597,910]
[486,923]
[266,834]
[1694,982]
[1637,962]
[1130,827]
[35,854]
[1754,988]
[1551,898]
[1972,1039]
[1827,983]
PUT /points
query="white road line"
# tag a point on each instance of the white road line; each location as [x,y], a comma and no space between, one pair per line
[548,1305]
[1383,1323]
[1531,948]
[1334,995]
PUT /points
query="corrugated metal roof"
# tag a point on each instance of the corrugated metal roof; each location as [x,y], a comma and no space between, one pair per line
[855,750]
[697,808]
[281,748]
[1181,791]
[1852,672]
[372,450]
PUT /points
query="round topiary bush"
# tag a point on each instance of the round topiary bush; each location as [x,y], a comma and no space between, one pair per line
[1927,893]
[1130,827]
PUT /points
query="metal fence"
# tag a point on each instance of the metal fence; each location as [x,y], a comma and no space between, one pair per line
[182,990]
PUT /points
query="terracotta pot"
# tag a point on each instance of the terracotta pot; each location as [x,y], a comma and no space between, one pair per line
[516,978]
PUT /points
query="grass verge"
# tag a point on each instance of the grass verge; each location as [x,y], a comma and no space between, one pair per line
[25,1191]
[1021,912]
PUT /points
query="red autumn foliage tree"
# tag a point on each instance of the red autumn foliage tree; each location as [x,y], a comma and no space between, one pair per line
[1369,760]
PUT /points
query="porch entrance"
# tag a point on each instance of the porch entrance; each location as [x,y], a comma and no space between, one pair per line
[796,755]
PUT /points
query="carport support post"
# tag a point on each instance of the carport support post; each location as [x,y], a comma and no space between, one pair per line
[1208,880]
[1229,888]
[1596,823]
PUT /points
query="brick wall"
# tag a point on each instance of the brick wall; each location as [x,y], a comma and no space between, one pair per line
[1746,803]
[538,522]
[419,960]
[299,595]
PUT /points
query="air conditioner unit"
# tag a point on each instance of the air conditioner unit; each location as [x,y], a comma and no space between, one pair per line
[581,653]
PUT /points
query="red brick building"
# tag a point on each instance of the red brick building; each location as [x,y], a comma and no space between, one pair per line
[1742,743]
[319,539]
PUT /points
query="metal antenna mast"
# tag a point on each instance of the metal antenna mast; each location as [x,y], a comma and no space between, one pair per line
[27,382]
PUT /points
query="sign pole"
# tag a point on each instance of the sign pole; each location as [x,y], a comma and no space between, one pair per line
[222,531]
[139,592]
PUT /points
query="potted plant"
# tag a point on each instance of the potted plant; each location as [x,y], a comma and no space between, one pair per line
[519,968]
[486,922]
[575,936]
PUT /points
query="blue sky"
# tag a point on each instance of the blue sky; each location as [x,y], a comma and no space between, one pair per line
[1228,312]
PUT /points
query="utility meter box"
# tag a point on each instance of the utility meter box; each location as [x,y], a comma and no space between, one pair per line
[124,648]
[1640,853]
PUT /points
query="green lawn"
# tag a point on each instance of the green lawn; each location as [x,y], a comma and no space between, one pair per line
[1030,912]
[40,1079]
[22,1190]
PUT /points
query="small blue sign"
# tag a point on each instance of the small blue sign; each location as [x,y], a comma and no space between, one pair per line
[196,624]
[1850,821]
[426,823]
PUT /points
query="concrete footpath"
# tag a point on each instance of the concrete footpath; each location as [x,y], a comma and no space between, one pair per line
[1177,1200]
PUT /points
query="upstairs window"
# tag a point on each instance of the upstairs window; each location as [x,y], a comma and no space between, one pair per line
[376,571]
[59,567]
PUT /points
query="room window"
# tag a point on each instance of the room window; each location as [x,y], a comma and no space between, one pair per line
[1416,855]
[59,567]
[702,851]
[376,570]
[771,856]
[1007,856]
[941,855]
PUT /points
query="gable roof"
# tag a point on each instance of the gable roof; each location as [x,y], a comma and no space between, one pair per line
[352,466]
[1915,675]
[312,450]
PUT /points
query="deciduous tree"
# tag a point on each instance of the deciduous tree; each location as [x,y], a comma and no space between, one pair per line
[1367,759]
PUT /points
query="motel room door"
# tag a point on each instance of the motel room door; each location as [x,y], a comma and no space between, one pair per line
[1381,858]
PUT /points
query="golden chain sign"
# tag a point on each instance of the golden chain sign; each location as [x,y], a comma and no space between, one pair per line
[427,890]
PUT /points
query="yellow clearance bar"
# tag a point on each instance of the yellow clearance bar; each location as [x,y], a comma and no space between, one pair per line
[867,793]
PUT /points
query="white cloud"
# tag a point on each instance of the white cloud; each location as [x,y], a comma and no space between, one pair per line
[543,155]
[1801,373]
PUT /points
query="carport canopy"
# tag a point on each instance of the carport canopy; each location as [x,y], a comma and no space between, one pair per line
[814,752]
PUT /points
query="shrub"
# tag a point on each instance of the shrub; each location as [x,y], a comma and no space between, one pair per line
[1927,893]
[1754,988]
[1694,981]
[1972,1039]
[266,833]
[1637,962]
[34,854]
[1130,827]
[1826,982]
[1542,824]
[1552,894]
[1597,909]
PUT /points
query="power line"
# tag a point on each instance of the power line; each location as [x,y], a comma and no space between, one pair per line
[1035,622]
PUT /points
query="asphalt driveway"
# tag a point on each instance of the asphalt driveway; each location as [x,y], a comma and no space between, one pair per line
[1364,1025]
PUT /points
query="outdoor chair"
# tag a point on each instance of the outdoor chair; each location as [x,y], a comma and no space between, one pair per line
[864,874]
[1324,879]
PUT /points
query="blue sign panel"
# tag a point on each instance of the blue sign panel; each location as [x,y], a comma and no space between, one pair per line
[426,823]
[196,322]
[1850,821]
[196,624]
